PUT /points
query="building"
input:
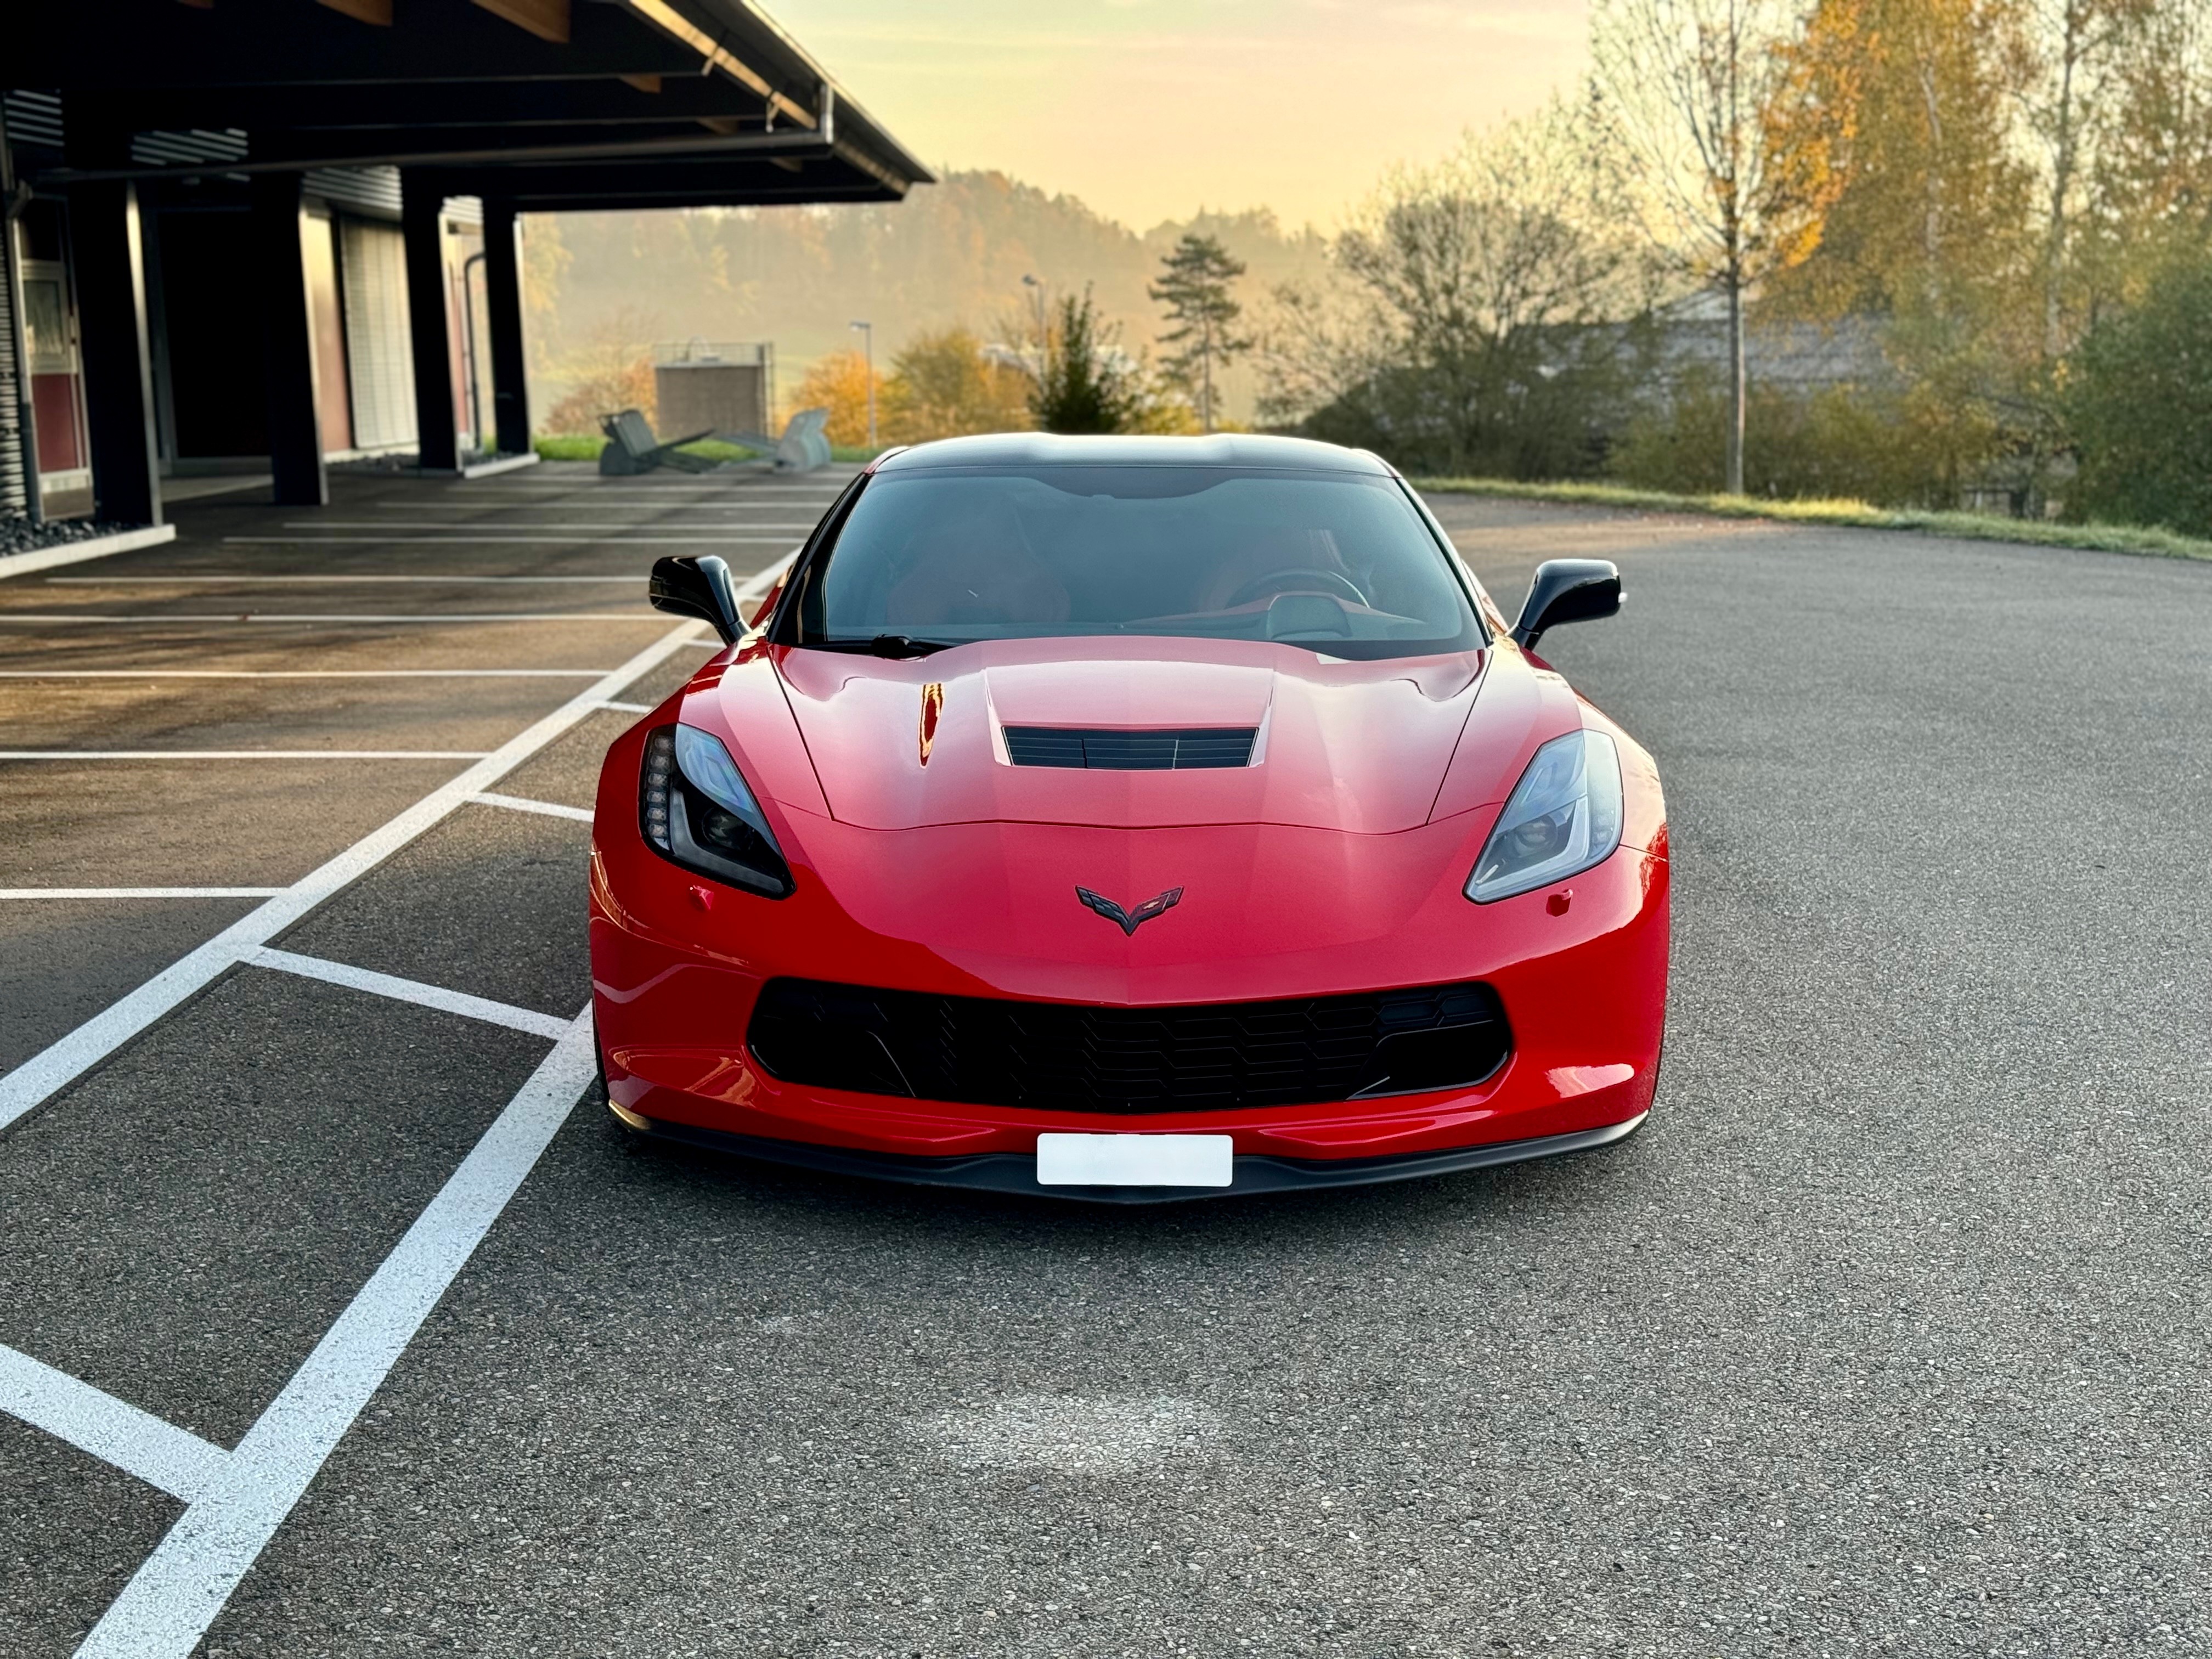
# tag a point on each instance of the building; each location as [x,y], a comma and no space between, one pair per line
[290,229]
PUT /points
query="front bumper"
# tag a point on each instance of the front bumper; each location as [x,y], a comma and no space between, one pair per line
[1015,1172]
[989,911]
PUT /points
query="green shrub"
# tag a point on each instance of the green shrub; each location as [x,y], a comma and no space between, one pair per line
[2138,399]
[1898,449]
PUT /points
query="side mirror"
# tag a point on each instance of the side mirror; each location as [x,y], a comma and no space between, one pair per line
[697,587]
[1565,591]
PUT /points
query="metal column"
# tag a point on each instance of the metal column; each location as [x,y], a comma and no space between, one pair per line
[510,396]
[423,201]
[288,343]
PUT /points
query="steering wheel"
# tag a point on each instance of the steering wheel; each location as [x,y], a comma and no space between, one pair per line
[1295,581]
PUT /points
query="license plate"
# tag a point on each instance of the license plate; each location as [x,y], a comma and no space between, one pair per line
[1135,1160]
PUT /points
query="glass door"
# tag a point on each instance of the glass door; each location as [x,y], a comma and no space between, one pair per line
[56,368]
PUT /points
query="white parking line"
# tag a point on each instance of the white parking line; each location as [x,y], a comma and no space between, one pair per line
[483,541]
[641,615]
[236,1500]
[138,892]
[552,810]
[161,1454]
[64,1061]
[410,990]
[248,578]
[177,1592]
[572,524]
[628,708]
[239,753]
[562,489]
[303,673]
[569,504]
[69,1058]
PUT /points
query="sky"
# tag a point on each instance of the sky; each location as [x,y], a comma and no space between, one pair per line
[1149,110]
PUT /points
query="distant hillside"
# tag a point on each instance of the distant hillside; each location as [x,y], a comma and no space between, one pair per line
[953,253]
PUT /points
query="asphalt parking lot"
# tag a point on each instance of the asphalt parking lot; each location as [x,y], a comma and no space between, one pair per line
[329,1327]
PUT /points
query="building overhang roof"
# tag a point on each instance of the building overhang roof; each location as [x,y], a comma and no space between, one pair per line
[553,105]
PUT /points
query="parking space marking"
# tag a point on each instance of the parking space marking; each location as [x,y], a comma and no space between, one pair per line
[409,990]
[628,708]
[517,804]
[447,617]
[161,1454]
[249,578]
[138,892]
[236,1500]
[480,541]
[239,753]
[67,1059]
[763,497]
[180,1589]
[572,524]
[735,512]
[303,673]
[63,1062]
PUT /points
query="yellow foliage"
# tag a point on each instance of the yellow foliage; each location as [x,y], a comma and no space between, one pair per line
[839,383]
[609,371]
[942,386]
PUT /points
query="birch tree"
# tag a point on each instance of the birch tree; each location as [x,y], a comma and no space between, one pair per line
[1692,91]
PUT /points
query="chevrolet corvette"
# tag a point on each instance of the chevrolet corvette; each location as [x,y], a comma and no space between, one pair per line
[1130,819]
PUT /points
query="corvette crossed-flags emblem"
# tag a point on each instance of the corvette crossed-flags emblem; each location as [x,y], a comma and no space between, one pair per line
[1129,921]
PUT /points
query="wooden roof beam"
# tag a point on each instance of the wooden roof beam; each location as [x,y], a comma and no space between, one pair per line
[546,19]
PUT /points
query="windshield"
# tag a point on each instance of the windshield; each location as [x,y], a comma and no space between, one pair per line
[1339,562]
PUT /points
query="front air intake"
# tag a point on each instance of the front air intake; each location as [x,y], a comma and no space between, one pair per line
[1200,748]
[1082,1057]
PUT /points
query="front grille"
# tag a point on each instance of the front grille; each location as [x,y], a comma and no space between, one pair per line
[1200,748]
[1059,1056]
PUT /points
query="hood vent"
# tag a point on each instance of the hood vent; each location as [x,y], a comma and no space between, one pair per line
[1155,750]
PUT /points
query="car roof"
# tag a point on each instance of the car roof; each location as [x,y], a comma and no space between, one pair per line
[1239,449]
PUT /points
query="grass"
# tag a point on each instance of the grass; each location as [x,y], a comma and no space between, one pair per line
[579,447]
[1859,515]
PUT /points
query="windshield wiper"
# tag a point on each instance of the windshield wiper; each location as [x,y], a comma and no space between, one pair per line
[888,645]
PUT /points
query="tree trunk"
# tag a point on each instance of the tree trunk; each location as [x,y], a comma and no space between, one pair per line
[1736,381]
[1205,371]
[2061,179]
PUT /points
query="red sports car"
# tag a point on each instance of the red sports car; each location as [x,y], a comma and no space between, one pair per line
[1131,818]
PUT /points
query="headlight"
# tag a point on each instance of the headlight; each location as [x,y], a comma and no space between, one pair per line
[1563,816]
[695,809]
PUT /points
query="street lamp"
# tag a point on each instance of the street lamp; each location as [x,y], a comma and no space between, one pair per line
[868,337]
[1036,296]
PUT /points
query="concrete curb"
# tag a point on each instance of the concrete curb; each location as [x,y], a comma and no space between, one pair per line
[481,469]
[96,547]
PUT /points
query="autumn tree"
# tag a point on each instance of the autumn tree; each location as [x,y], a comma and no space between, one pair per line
[2069,107]
[2147,190]
[839,382]
[608,370]
[943,385]
[1458,331]
[1196,282]
[1692,92]
[1930,235]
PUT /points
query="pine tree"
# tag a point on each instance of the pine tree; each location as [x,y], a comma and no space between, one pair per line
[1084,387]
[1194,287]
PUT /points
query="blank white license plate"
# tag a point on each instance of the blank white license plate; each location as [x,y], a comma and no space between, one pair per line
[1135,1160]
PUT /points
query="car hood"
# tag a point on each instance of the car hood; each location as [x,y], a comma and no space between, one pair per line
[1354,746]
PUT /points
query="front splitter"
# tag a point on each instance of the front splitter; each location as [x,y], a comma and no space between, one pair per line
[1016,1172]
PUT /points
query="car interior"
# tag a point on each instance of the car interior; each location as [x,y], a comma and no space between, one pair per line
[1197,552]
